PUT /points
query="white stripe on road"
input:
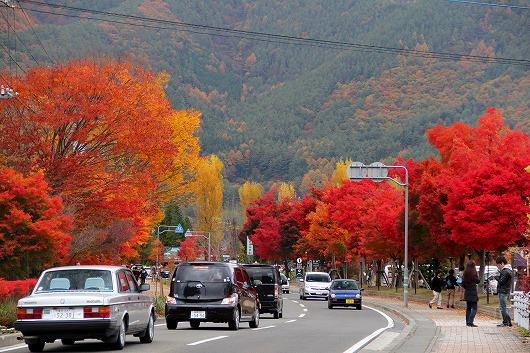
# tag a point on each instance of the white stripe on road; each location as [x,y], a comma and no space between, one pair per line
[290,321]
[305,309]
[294,301]
[373,335]
[301,315]
[263,328]
[206,340]
[302,305]
[160,325]
[14,348]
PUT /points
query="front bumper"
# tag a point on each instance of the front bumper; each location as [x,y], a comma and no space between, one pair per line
[316,293]
[71,329]
[342,301]
[214,312]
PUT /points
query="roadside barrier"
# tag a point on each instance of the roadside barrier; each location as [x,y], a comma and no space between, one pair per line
[521,309]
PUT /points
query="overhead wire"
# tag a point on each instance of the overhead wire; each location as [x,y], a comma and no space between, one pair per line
[35,34]
[269,37]
[491,4]
[20,40]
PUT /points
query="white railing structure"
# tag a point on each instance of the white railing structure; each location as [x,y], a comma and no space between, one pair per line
[521,309]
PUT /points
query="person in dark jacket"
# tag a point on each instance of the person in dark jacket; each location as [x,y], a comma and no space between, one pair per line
[450,282]
[436,286]
[504,286]
[471,293]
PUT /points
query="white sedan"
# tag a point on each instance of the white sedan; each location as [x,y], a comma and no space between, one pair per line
[82,302]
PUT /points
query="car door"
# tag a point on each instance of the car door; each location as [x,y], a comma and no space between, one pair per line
[125,299]
[251,293]
[137,320]
[242,291]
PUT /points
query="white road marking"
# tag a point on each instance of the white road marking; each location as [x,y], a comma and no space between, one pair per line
[206,340]
[160,325]
[301,315]
[294,301]
[290,321]
[263,328]
[14,348]
[302,305]
[305,309]
[357,346]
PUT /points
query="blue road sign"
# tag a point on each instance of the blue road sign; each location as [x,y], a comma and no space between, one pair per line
[179,229]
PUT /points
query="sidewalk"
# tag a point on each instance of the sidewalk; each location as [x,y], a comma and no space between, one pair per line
[451,334]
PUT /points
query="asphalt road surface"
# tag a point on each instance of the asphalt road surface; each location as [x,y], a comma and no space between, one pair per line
[306,327]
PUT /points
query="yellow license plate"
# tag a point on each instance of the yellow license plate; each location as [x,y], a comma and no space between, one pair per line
[349,301]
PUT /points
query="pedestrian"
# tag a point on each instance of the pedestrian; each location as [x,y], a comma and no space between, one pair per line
[143,275]
[504,286]
[471,292]
[436,286]
[450,282]
[460,282]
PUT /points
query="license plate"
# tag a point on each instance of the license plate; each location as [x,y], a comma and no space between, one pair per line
[198,315]
[349,301]
[62,314]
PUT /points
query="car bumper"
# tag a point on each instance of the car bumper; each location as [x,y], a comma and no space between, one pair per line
[73,329]
[269,306]
[315,293]
[214,313]
[342,301]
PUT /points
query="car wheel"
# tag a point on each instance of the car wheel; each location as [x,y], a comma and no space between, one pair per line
[255,321]
[234,323]
[171,324]
[287,291]
[37,346]
[276,314]
[329,305]
[67,342]
[195,324]
[149,333]
[119,342]
[359,307]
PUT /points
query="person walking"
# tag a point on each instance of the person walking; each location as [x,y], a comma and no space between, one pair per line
[504,286]
[450,282]
[436,286]
[471,292]
[460,282]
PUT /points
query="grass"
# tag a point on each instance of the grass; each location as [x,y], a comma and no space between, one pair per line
[160,304]
[524,332]
[8,313]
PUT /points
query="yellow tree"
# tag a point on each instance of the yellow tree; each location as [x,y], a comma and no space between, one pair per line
[209,198]
[248,193]
[339,174]
[286,191]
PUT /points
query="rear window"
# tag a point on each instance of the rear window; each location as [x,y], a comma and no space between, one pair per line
[202,273]
[75,280]
[344,285]
[318,277]
[263,274]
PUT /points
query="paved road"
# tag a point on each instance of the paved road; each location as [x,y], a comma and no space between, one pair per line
[306,327]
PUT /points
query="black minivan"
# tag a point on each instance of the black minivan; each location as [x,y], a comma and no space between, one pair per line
[268,282]
[211,292]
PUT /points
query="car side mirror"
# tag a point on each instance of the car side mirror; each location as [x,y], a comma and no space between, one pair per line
[144,287]
[362,289]
[284,282]
[245,285]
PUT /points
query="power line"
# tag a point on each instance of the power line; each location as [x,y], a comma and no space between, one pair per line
[19,39]
[35,33]
[13,59]
[269,37]
[491,4]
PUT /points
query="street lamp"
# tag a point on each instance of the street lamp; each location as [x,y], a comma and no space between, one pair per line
[190,234]
[176,229]
[378,172]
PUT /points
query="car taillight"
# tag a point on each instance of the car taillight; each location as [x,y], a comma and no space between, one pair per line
[29,313]
[171,300]
[276,291]
[99,312]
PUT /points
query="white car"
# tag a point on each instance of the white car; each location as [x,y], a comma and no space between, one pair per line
[80,302]
[315,285]
[285,283]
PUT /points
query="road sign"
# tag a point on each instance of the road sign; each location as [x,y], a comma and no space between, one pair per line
[299,260]
[355,171]
[377,172]
[179,229]
[188,233]
[250,247]
[299,273]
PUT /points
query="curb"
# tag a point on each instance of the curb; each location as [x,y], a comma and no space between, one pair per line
[9,339]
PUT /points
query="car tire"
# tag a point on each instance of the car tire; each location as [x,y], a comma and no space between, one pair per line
[171,324]
[255,320]
[329,305]
[119,341]
[359,307]
[276,314]
[37,346]
[195,324]
[149,333]
[233,324]
[67,342]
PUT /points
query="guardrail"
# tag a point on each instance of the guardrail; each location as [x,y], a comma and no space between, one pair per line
[521,309]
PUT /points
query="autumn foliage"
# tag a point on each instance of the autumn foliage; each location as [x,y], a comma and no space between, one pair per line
[15,289]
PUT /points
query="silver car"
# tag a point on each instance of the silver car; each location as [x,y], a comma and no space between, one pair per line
[80,302]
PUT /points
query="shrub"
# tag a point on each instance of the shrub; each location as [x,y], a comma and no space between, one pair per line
[160,305]
[8,313]
[12,290]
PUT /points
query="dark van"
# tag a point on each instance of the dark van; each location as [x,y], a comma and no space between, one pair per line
[211,292]
[268,282]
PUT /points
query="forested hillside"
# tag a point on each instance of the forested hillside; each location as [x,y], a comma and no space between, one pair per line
[279,111]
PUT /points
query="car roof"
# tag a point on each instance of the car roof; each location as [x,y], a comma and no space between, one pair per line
[208,263]
[87,267]
[317,273]
[344,279]
[258,265]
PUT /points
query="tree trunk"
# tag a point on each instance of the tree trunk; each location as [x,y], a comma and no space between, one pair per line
[482,266]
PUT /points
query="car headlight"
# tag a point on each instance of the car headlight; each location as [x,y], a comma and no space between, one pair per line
[333,295]
[358,296]
[230,300]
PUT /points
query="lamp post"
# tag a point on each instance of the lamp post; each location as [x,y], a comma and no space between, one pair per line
[176,229]
[378,172]
[190,234]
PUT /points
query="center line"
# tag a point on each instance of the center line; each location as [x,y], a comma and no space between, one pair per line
[305,309]
[302,305]
[290,321]
[294,301]
[206,340]
[301,315]
[263,328]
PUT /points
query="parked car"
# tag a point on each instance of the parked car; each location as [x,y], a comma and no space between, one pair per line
[345,292]
[285,283]
[315,285]
[268,283]
[165,273]
[80,302]
[211,292]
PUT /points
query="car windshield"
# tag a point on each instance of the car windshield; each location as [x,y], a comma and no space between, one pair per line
[283,277]
[202,273]
[75,280]
[344,285]
[263,274]
[318,277]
